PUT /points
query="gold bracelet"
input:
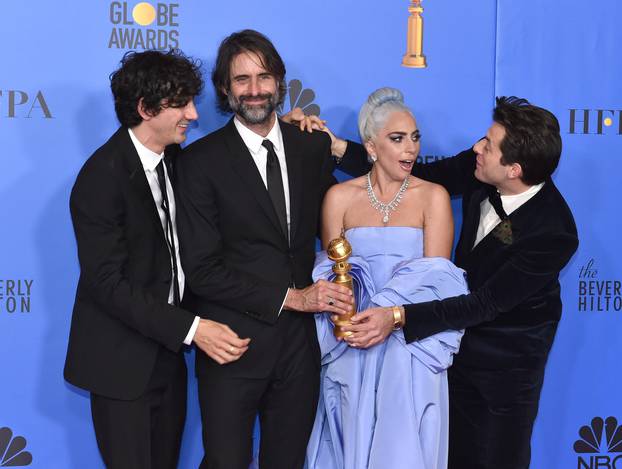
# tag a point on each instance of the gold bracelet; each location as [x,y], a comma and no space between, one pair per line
[398,321]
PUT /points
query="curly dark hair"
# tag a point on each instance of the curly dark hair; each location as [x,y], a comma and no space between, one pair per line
[531,139]
[247,40]
[161,79]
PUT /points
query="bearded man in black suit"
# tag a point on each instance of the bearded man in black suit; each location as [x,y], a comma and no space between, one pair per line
[250,194]
[128,328]
[517,235]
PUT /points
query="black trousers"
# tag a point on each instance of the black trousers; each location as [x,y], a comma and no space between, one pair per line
[145,433]
[491,416]
[285,401]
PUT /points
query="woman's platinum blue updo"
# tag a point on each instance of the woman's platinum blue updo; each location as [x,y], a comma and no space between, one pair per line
[379,106]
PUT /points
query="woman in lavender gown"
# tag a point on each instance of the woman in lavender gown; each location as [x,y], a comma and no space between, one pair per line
[383,402]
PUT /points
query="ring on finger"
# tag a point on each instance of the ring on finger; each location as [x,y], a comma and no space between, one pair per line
[331,302]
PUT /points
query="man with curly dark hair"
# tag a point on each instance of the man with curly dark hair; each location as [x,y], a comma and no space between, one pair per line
[127,330]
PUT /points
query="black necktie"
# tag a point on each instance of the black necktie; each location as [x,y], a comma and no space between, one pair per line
[495,200]
[170,238]
[275,185]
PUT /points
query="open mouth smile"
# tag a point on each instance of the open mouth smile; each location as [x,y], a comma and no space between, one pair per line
[407,165]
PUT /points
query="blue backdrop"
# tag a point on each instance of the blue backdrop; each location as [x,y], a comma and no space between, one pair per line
[56,109]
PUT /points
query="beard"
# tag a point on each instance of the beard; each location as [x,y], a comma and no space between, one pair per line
[254,114]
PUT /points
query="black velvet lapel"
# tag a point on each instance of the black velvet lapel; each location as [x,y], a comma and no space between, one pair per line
[470,224]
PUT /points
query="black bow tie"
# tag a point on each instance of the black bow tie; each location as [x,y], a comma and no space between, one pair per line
[503,230]
[495,200]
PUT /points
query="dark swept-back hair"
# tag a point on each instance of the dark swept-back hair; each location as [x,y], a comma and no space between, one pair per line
[531,139]
[161,79]
[247,40]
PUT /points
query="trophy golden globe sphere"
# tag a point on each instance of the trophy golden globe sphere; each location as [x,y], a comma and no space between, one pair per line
[339,249]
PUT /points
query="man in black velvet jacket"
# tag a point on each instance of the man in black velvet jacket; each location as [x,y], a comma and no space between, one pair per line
[513,254]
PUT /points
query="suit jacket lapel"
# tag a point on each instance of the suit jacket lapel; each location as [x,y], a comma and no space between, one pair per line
[520,218]
[470,223]
[246,168]
[295,174]
[137,178]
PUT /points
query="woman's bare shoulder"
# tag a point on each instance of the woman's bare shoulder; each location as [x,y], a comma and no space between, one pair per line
[428,190]
[347,188]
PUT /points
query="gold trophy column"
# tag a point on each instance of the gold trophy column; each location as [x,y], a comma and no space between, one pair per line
[339,250]
[414,57]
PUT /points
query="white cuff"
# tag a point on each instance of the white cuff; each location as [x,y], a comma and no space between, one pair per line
[283,304]
[192,331]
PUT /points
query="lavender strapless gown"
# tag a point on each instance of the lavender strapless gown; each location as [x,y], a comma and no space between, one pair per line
[386,407]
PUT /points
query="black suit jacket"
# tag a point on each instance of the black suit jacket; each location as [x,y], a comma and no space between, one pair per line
[512,312]
[236,257]
[121,316]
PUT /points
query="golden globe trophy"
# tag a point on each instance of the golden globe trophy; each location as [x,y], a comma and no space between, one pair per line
[414,57]
[339,250]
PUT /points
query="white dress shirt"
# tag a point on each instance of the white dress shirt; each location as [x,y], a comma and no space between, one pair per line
[150,161]
[488,218]
[259,153]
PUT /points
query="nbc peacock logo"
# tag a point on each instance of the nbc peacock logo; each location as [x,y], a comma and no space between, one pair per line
[11,450]
[300,97]
[600,444]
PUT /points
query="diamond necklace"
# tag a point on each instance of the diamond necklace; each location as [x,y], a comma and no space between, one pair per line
[382,207]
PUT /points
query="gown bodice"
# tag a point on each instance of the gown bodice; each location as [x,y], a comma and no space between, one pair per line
[385,247]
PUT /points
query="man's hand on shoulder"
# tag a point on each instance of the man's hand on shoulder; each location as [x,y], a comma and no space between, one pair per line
[219,342]
[310,123]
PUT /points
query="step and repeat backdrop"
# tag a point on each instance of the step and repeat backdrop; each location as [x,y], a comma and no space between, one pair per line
[56,109]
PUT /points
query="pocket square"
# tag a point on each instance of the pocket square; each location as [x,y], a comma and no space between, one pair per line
[503,232]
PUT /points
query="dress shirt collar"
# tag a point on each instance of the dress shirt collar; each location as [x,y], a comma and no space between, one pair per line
[148,158]
[512,202]
[254,141]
